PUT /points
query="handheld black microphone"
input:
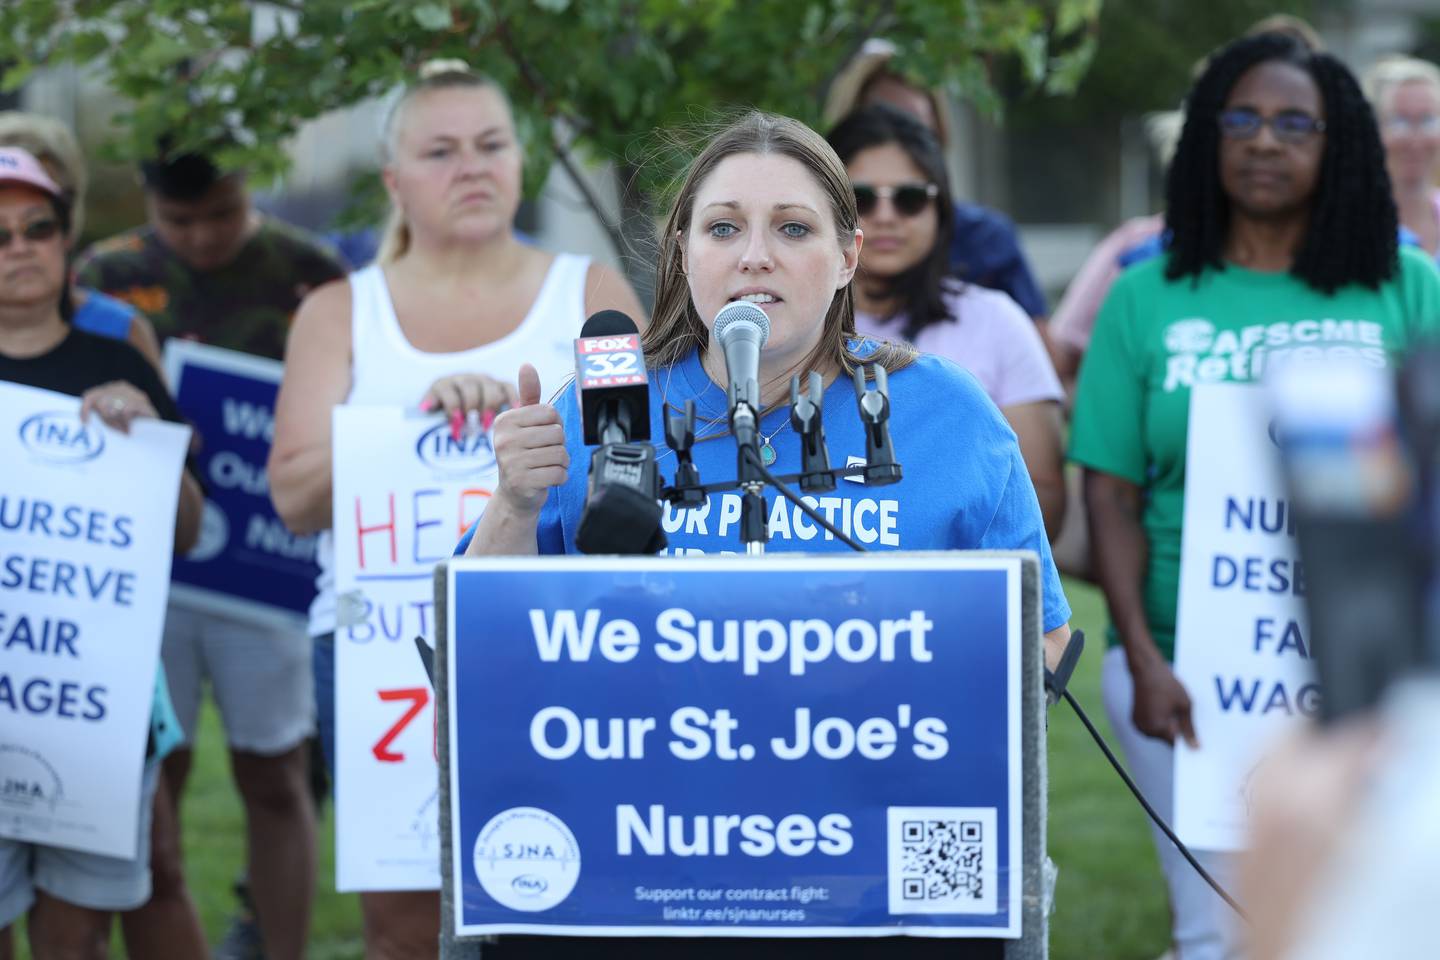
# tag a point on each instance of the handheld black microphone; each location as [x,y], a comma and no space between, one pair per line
[610,380]
[622,508]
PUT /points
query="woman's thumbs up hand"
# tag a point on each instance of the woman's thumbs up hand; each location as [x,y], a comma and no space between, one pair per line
[529,449]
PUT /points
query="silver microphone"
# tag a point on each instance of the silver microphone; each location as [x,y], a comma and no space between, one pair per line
[741,329]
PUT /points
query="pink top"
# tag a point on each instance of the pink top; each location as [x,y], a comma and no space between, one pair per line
[993,338]
[1073,320]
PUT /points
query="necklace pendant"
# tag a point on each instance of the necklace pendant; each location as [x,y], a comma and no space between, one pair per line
[767,454]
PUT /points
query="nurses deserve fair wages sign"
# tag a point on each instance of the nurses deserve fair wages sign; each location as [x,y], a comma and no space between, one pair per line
[87,529]
[404,491]
[1242,637]
[792,746]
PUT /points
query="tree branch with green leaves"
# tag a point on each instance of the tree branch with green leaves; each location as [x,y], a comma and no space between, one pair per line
[244,76]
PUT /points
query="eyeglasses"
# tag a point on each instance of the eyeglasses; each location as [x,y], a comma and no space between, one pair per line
[36,232]
[1289,126]
[1426,126]
[908,198]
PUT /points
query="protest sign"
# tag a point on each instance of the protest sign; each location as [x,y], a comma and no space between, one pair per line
[87,523]
[245,565]
[404,491]
[1241,635]
[779,746]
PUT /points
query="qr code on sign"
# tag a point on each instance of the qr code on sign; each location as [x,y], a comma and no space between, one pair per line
[942,859]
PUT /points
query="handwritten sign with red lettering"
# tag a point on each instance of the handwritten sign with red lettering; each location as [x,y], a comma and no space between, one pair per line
[404,491]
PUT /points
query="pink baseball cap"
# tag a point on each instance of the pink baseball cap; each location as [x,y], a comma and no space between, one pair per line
[19,166]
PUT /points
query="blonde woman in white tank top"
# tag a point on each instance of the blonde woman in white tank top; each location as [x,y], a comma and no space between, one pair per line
[445,318]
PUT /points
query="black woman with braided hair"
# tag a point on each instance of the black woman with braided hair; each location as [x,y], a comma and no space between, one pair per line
[1281,218]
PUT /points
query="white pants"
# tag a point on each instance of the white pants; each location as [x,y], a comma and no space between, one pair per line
[1203,926]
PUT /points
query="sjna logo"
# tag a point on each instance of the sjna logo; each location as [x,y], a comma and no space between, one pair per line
[527,859]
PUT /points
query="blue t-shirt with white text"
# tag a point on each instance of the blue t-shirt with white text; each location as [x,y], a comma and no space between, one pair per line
[965,486]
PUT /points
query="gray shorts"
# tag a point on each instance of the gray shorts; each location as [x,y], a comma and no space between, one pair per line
[259,675]
[83,879]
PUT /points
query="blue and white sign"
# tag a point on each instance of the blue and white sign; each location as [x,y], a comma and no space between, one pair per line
[786,746]
[245,564]
[87,529]
[1241,636]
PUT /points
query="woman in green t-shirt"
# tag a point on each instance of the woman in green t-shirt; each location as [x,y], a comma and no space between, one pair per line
[1283,242]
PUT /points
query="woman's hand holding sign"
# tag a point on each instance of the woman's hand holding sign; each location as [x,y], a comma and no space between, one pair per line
[462,394]
[117,403]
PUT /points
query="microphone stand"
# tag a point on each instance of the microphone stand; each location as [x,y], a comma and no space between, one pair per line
[744,425]
[687,490]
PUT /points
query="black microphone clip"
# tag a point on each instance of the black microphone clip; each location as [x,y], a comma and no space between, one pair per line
[680,437]
[880,465]
[815,474]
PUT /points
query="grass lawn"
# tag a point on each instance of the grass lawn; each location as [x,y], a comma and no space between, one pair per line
[1110,902]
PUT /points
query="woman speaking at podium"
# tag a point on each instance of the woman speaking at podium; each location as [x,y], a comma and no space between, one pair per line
[766,214]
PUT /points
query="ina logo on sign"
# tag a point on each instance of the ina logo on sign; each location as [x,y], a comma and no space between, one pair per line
[472,453]
[57,437]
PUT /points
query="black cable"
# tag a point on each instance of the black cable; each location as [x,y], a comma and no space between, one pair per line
[1165,827]
[725,486]
[810,512]
[805,508]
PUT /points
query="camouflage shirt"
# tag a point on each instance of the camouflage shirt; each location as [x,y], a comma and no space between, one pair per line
[245,306]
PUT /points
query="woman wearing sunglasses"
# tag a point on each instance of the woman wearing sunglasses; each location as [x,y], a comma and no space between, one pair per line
[1405,94]
[68,894]
[51,142]
[904,290]
[1281,220]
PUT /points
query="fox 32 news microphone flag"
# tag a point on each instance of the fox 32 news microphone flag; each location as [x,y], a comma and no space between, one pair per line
[788,746]
[87,529]
[1241,638]
[404,491]
[245,565]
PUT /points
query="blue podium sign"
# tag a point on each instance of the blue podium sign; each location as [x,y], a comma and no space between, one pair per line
[781,746]
[245,563]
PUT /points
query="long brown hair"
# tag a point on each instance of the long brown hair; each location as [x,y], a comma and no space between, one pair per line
[675,329]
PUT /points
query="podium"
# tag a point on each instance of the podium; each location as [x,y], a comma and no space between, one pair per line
[790,747]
